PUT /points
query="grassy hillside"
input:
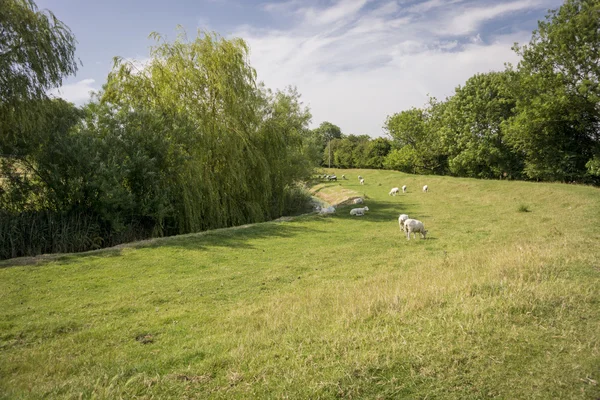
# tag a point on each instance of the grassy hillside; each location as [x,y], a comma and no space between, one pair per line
[498,302]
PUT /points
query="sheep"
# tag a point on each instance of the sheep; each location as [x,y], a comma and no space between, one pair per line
[333,178]
[359,177]
[359,212]
[401,219]
[425,189]
[327,210]
[394,191]
[358,200]
[404,189]
[343,177]
[414,226]
[362,181]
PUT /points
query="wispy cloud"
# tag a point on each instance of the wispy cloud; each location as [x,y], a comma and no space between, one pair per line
[357,61]
[471,19]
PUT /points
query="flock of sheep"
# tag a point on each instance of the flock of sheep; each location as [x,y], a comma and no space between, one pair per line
[407,225]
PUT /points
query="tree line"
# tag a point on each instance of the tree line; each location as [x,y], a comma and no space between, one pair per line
[539,120]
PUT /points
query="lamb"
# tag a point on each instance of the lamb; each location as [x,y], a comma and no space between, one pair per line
[414,226]
[404,189]
[394,191]
[362,181]
[359,212]
[327,210]
[425,189]
[358,200]
[401,219]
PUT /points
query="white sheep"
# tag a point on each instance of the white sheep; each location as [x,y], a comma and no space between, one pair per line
[359,212]
[343,177]
[401,219]
[425,189]
[394,191]
[327,210]
[404,189]
[333,178]
[358,200]
[359,177]
[362,181]
[414,226]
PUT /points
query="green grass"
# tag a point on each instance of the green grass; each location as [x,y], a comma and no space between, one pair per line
[495,303]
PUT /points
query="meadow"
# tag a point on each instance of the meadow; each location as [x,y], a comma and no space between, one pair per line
[502,300]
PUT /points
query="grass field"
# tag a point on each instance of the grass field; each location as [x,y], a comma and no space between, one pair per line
[501,301]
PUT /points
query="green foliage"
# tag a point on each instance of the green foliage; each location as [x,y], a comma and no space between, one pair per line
[558,112]
[356,152]
[377,150]
[188,142]
[415,135]
[404,159]
[36,51]
[472,131]
[554,130]
[566,45]
[593,166]
[322,136]
[538,122]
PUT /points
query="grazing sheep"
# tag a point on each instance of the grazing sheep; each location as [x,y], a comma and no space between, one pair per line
[359,212]
[333,178]
[414,226]
[425,188]
[404,189]
[358,200]
[394,191]
[401,219]
[362,181]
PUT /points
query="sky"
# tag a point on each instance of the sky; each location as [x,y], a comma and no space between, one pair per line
[353,61]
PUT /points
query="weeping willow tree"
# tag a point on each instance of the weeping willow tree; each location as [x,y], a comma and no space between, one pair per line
[228,138]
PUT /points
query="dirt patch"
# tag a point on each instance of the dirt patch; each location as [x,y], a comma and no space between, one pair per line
[335,194]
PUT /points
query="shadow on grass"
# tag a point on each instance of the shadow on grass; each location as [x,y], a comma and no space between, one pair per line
[380,211]
[233,237]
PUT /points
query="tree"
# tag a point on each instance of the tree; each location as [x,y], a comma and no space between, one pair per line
[415,133]
[326,132]
[36,51]
[567,44]
[555,130]
[235,149]
[557,121]
[472,133]
[378,149]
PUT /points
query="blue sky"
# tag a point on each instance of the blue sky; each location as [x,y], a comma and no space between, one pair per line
[354,61]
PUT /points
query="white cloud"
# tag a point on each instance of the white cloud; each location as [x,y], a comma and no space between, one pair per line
[430,5]
[357,61]
[78,92]
[340,11]
[470,20]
